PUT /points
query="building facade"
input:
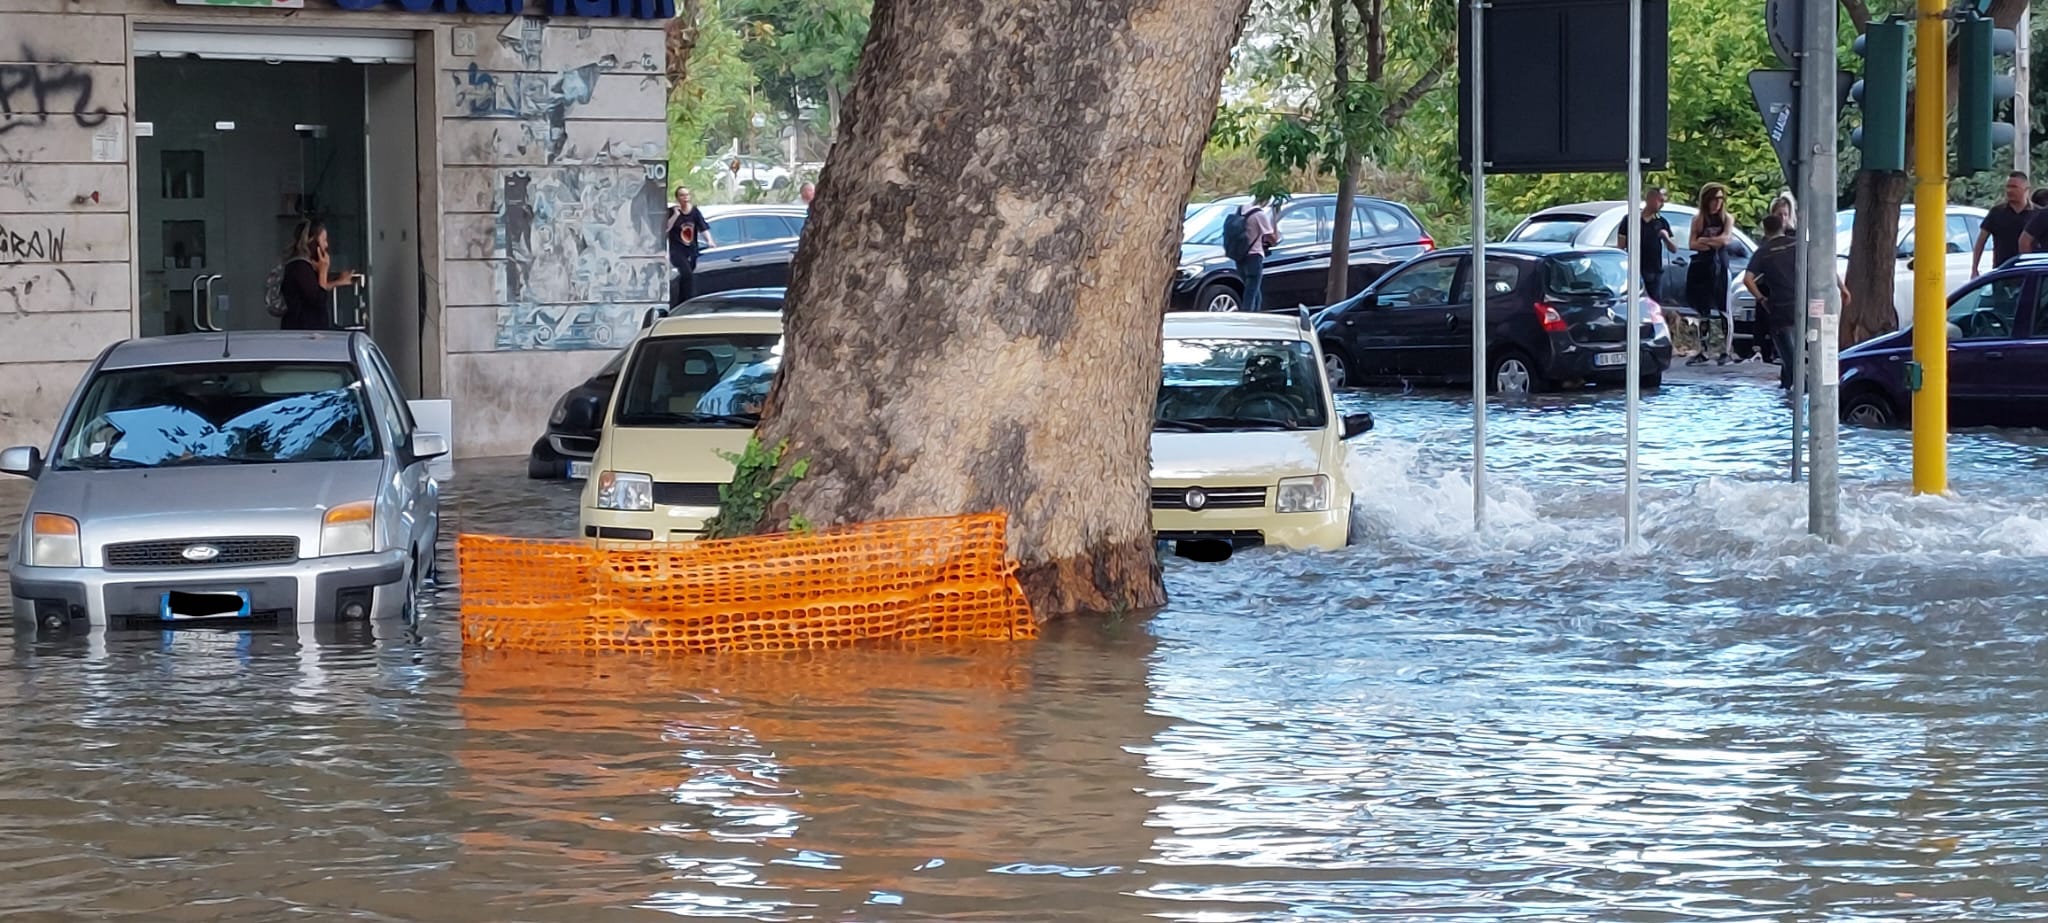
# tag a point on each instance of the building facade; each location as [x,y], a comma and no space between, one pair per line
[498,174]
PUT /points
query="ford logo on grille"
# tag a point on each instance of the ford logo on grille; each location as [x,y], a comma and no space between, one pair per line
[199,553]
[1196,499]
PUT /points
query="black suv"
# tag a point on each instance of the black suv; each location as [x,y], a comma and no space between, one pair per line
[1383,235]
[1554,314]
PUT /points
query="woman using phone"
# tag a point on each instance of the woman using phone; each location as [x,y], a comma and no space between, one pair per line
[309,280]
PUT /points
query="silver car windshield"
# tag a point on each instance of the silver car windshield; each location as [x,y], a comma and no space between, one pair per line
[219,414]
[1239,385]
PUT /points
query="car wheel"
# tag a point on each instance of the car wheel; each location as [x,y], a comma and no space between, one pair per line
[1218,297]
[1869,408]
[1514,373]
[1653,381]
[1336,367]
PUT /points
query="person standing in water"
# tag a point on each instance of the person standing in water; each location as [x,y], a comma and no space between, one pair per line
[1706,279]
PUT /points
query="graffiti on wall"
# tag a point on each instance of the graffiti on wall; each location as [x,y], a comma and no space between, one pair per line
[41,90]
[37,245]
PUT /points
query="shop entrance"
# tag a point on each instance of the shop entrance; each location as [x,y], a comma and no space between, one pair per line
[231,154]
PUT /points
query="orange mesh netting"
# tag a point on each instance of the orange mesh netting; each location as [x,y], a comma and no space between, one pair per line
[911,579]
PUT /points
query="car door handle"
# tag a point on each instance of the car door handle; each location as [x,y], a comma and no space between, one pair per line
[1994,355]
[1451,321]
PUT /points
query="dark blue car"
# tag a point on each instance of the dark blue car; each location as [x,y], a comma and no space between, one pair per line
[1997,356]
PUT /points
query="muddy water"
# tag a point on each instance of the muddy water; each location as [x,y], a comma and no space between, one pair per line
[1735,724]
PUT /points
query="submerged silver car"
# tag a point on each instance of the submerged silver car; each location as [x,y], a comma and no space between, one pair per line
[271,475]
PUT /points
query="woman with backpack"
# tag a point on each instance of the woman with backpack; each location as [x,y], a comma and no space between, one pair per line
[1247,233]
[302,298]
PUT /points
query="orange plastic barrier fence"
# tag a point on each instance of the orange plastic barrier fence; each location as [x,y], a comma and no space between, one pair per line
[911,579]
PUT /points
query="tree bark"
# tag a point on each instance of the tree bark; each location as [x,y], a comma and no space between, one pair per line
[1873,257]
[1337,286]
[972,322]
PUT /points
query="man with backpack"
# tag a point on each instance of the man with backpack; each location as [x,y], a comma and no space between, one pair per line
[1247,233]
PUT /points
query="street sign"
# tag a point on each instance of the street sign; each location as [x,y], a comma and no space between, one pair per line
[1781,22]
[1777,98]
[1554,86]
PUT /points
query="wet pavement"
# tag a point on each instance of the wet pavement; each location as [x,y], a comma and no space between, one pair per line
[1735,724]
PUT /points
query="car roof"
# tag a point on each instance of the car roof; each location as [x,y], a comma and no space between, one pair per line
[716,211]
[727,322]
[1579,210]
[1528,248]
[238,346]
[1199,325]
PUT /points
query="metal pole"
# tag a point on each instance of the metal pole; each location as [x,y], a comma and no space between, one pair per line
[2023,85]
[1636,239]
[1820,323]
[1930,216]
[1478,266]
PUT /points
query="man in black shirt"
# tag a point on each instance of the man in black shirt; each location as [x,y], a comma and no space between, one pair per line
[2004,225]
[1656,237]
[1773,280]
[687,233]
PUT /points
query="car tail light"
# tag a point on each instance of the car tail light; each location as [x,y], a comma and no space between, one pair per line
[1428,242]
[1552,321]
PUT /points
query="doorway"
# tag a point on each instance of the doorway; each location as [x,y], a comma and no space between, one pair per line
[232,154]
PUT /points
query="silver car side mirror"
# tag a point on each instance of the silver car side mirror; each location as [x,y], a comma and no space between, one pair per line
[427,446]
[23,461]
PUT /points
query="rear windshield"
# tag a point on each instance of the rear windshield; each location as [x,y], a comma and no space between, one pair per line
[699,380]
[1601,273]
[1549,230]
[219,414]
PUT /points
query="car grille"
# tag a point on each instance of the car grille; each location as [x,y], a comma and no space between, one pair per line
[669,493]
[1214,498]
[171,554]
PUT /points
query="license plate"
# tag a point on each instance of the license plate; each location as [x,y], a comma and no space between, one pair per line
[579,470]
[180,606]
[1610,359]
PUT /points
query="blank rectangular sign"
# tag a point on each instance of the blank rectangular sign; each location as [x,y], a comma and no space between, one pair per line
[1556,75]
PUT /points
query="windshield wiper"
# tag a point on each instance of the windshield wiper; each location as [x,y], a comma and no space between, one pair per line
[1213,423]
[102,464]
[1181,426]
[721,419]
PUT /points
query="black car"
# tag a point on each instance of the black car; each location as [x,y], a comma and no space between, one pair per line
[761,264]
[578,417]
[1383,234]
[1554,310]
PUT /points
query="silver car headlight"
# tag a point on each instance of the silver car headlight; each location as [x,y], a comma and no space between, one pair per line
[53,541]
[349,528]
[1303,495]
[625,491]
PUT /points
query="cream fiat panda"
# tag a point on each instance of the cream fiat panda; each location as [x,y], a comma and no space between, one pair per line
[1247,446]
[691,387]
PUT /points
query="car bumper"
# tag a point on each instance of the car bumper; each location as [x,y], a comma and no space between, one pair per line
[307,590]
[1325,531]
[663,524]
[1582,363]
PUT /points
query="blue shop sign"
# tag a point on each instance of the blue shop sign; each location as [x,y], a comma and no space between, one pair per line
[593,9]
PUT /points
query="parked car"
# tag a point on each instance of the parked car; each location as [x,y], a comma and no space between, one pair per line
[275,475]
[750,169]
[1997,356]
[733,225]
[692,388]
[1248,448]
[577,421]
[1959,235]
[759,264]
[1383,234]
[1554,315]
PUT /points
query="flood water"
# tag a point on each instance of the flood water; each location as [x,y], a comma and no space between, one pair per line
[1734,724]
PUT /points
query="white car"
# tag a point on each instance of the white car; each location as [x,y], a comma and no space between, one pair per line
[1959,233]
[1248,448]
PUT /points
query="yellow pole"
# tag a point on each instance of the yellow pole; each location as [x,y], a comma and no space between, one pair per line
[1930,207]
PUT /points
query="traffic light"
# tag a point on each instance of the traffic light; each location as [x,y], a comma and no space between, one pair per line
[1881,94]
[1982,83]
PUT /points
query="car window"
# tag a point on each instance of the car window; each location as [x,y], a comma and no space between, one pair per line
[389,407]
[763,227]
[1962,233]
[1595,274]
[1503,276]
[219,414]
[1425,284]
[1390,224]
[1362,226]
[1298,225]
[725,231]
[1987,312]
[792,225]
[1223,384]
[1549,230]
[685,380]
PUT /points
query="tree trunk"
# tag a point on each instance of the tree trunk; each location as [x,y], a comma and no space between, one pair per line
[1873,257]
[972,322]
[1337,286]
